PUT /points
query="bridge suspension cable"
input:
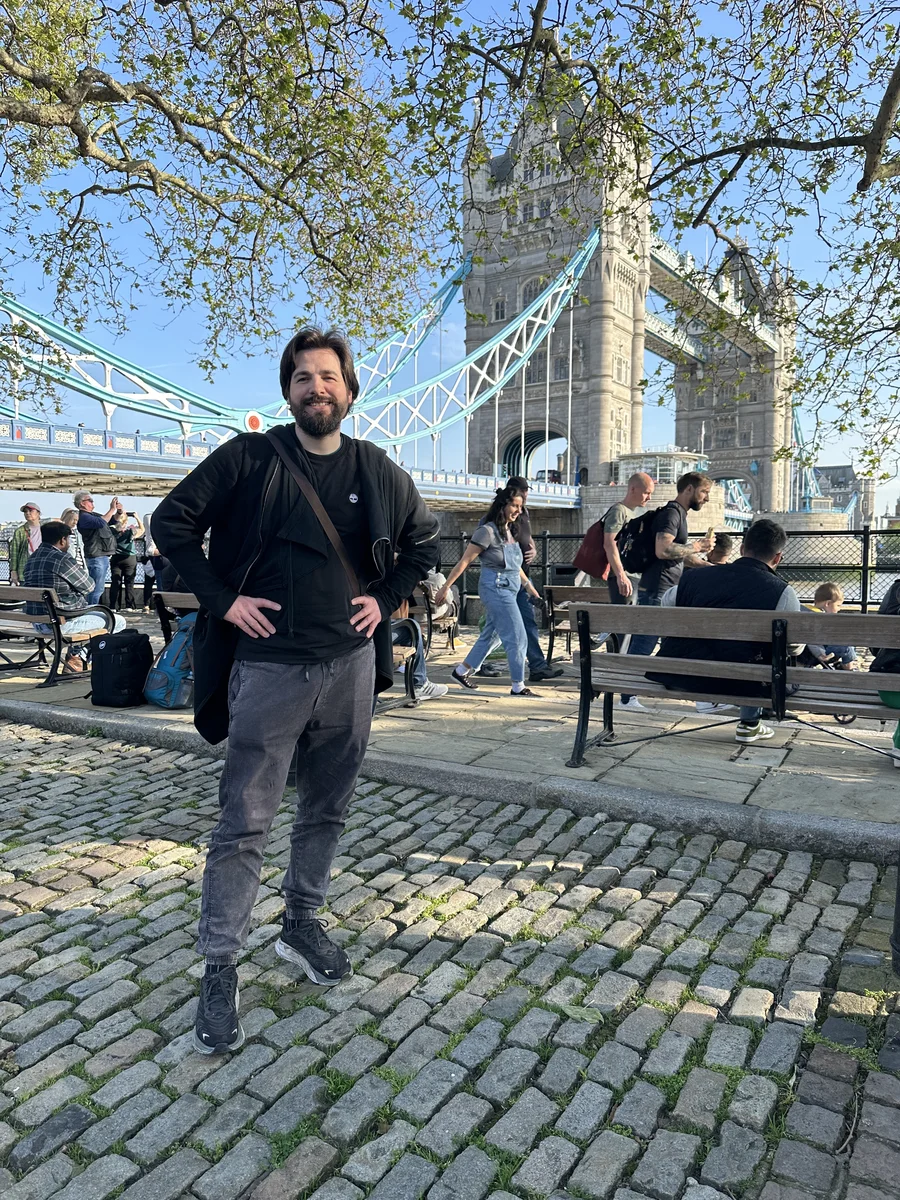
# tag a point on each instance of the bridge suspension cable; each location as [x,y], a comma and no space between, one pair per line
[428,408]
[45,347]
[380,367]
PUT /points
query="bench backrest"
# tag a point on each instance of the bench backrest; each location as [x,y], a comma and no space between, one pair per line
[15,595]
[179,600]
[750,625]
[557,595]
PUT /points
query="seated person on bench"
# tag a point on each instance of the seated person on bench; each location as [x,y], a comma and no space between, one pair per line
[828,599]
[721,551]
[749,582]
[52,567]
[425,689]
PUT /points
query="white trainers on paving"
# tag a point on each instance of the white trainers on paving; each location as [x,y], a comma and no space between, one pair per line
[758,732]
[431,691]
[634,705]
[706,708]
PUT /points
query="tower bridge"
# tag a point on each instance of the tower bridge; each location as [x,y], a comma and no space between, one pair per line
[731,390]
[559,318]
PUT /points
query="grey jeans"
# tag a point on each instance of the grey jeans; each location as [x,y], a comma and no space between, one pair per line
[325,711]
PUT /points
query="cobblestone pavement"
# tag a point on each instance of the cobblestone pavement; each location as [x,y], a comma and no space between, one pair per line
[543,1005]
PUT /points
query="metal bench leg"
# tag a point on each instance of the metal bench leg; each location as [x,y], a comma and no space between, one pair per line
[586,691]
[51,680]
[550,643]
[411,698]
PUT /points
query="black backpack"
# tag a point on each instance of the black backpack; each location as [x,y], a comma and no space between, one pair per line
[120,663]
[637,542]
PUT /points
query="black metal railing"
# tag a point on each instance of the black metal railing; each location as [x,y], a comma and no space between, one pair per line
[139,549]
[864,562]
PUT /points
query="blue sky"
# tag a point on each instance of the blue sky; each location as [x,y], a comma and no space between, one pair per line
[168,344]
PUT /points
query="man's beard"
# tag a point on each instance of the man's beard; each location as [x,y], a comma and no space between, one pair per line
[320,424]
[696,504]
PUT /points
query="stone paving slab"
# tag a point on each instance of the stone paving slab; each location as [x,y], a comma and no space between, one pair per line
[801,771]
[545,1003]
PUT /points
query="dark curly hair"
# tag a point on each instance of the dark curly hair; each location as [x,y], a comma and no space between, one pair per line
[312,338]
[499,503]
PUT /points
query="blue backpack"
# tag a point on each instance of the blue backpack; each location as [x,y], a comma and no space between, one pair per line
[170,683]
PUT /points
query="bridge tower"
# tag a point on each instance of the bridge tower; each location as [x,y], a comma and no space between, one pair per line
[517,224]
[731,388]
[736,405]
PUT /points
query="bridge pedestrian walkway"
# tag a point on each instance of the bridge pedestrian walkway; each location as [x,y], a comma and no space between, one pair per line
[487,743]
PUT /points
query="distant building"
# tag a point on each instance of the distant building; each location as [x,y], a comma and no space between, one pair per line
[849,493]
[664,464]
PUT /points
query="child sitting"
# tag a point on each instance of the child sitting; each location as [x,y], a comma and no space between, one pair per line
[828,599]
[721,551]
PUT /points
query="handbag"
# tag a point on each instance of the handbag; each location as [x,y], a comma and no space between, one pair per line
[591,557]
[310,493]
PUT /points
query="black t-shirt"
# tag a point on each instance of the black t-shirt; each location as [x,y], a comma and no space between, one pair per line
[664,573]
[314,622]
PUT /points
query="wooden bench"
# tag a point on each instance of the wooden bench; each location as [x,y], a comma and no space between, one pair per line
[403,657]
[18,626]
[558,599]
[169,605]
[789,690]
[422,608]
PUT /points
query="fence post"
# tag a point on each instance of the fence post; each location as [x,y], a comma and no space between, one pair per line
[464,581]
[866,568]
[545,556]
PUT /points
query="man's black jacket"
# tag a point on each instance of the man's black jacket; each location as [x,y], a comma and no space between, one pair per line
[233,494]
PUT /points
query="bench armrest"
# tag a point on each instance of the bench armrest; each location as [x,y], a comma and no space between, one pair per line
[107,614]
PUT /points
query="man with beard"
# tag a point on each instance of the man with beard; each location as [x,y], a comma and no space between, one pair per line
[285,654]
[672,550]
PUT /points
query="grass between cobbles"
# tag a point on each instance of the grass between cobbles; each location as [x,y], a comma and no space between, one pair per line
[284,1144]
[338,1084]
[866,1056]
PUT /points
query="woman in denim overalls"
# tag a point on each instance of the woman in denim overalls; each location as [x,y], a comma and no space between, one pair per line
[497,588]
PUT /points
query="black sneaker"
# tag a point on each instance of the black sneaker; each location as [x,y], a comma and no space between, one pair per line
[464,679]
[307,945]
[489,671]
[543,673]
[217,1029]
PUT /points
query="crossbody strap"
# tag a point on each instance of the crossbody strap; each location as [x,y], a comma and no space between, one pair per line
[318,508]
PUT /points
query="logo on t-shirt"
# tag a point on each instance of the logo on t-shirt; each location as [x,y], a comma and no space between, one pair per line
[353,497]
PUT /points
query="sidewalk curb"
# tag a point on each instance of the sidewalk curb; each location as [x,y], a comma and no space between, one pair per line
[869,841]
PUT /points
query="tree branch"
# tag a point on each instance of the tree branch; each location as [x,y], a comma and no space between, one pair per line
[881,130]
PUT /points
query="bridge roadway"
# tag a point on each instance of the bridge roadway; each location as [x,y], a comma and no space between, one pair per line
[60,458]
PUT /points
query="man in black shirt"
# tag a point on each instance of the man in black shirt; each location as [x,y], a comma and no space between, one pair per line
[672,551]
[297,655]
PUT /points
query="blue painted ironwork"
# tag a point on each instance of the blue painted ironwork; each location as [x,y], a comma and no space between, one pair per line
[806,480]
[109,453]
[427,409]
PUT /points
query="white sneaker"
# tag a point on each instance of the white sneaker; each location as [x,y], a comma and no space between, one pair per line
[706,708]
[758,732]
[634,705]
[431,691]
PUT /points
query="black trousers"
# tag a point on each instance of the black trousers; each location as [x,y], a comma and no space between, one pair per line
[122,568]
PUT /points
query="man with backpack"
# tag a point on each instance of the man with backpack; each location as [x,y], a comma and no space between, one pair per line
[656,544]
[291,641]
